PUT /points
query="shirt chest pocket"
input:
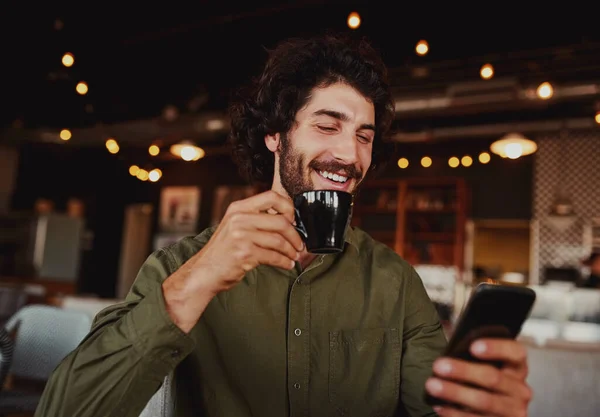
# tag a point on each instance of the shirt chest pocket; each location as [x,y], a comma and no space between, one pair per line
[364,371]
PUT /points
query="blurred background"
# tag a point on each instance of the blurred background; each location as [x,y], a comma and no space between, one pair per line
[113,144]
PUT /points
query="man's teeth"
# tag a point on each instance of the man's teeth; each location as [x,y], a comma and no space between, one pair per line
[333,177]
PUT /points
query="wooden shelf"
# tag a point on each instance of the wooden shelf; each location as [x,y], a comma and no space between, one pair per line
[422,219]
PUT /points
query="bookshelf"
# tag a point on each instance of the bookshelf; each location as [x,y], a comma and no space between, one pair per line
[422,219]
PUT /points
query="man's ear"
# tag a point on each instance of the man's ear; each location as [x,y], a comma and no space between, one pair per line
[272,142]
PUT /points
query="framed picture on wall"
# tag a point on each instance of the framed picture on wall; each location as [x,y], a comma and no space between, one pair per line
[179,209]
[225,195]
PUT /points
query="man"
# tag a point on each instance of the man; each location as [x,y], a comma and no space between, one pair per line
[253,325]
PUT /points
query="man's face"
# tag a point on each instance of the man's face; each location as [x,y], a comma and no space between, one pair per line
[330,146]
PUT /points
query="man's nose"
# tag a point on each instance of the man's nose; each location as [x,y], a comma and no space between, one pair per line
[346,148]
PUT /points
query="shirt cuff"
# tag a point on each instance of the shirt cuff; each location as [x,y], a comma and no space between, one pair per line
[154,335]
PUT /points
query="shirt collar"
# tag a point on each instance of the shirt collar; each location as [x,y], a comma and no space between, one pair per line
[351,238]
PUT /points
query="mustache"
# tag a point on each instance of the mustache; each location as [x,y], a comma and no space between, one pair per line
[348,170]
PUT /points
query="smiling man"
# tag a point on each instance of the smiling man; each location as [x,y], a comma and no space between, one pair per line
[248,322]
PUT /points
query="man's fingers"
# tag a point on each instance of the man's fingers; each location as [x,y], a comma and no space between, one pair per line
[273,258]
[476,400]
[509,351]
[268,223]
[274,242]
[263,202]
[482,375]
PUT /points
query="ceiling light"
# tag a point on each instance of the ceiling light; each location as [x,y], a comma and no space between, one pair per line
[513,146]
[187,151]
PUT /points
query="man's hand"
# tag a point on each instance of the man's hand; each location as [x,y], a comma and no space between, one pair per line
[481,389]
[249,236]
[255,231]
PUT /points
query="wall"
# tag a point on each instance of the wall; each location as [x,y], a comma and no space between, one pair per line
[575,160]
[505,249]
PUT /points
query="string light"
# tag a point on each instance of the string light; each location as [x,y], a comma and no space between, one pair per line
[65,134]
[353,20]
[81,88]
[545,90]
[466,161]
[422,47]
[484,157]
[155,175]
[68,59]
[112,146]
[453,162]
[487,71]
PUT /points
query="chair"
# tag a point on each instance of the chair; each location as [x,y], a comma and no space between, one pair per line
[162,403]
[45,335]
[12,298]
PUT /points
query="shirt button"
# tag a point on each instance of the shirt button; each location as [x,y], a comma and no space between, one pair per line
[299,281]
[297,332]
[297,385]
[175,353]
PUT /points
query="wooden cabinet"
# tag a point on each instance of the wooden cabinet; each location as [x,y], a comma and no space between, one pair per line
[422,219]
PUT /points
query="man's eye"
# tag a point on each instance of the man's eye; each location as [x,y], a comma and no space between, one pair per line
[327,129]
[364,139]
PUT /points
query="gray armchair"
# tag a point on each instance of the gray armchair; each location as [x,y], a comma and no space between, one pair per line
[162,404]
[44,336]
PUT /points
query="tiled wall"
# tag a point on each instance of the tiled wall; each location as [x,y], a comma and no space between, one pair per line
[573,159]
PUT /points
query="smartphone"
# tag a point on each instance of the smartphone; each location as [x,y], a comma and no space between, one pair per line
[492,311]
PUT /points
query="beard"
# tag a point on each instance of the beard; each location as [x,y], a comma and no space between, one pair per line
[295,174]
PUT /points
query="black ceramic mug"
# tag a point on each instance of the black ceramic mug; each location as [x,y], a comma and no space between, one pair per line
[322,218]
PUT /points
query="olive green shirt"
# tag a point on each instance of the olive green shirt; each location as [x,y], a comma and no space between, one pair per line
[354,334]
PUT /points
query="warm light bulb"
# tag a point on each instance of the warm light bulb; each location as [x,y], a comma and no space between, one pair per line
[403,163]
[545,90]
[513,150]
[154,175]
[353,20]
[65,134]
[133,170]
[68,59]
[484,157]
[422,47]
[426,162]
[153,150]
[453,162]
[486,71]
[188,153]
[81,88]
[466,161]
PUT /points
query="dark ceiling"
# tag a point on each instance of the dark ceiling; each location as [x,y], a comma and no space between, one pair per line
[138,61]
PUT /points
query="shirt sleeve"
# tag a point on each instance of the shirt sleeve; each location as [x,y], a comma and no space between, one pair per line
[423,342]
[123,361]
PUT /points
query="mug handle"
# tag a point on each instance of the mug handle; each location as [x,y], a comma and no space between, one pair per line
[300,226]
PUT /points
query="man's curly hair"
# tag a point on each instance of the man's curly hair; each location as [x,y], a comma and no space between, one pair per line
[294,68]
